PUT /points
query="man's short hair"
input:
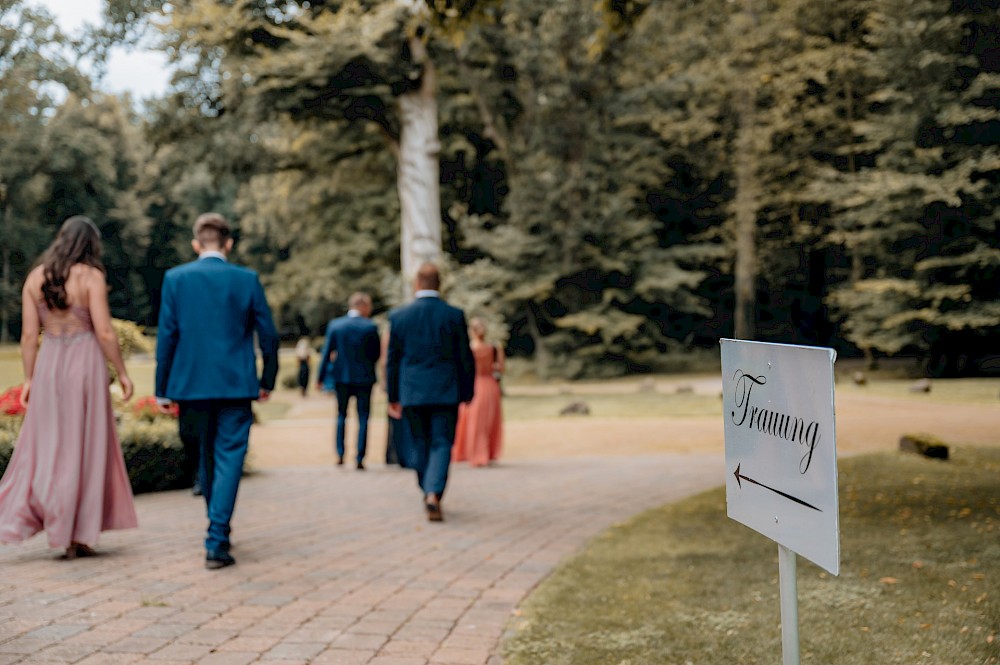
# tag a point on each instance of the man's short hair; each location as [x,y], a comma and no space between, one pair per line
[428,277]
[359,299]
[211,228]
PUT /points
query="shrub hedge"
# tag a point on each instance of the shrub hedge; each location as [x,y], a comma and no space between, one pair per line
[154,455]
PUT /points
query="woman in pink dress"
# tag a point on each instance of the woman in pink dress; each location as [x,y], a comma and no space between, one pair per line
[479,433]
[67,475]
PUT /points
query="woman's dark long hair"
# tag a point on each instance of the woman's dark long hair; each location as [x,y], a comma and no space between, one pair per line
[78,241]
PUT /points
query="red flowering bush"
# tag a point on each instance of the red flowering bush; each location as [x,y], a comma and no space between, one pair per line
[10,402]
[147,409]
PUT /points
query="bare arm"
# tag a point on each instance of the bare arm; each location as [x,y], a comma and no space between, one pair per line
[100,314]
[30,327]
[500,361]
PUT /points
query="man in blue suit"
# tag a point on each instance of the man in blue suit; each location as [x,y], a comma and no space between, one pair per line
[207,364]
[429,372]
[353,343]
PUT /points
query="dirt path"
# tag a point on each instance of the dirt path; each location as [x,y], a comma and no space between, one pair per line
[304,436]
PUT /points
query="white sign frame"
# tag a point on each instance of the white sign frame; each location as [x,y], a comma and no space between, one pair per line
[781,446]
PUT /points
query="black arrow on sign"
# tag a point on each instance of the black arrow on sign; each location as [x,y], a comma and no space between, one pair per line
[740,477]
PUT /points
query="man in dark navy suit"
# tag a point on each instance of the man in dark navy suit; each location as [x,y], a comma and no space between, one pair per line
[352,342]
[429,372]
[207,364]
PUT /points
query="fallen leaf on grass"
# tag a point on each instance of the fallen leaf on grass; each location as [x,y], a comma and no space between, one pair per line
[918,564]
[889,580]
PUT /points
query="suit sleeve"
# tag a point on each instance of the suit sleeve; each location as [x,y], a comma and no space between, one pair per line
[267,337]
[392,359]
[324,356]
[466,363]
[167,334]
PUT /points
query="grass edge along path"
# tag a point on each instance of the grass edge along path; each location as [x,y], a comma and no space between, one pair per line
[684,584]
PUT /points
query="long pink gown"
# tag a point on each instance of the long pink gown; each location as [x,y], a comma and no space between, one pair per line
[479,433]
[67,475]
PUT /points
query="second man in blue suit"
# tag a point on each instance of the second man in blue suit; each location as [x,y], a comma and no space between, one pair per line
[349,355]
[429,372]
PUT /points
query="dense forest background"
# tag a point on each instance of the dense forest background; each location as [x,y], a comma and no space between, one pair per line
[620,180]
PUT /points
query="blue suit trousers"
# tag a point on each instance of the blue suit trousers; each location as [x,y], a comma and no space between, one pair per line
[362,395]
[430,433]
[223,428]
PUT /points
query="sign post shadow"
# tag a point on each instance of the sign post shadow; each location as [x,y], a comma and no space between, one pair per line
[780,432]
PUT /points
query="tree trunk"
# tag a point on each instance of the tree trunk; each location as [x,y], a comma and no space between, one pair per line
[5,277]
[857,264]
[542,358]
[745,204]
[418,178]
[5,309]
[745,208]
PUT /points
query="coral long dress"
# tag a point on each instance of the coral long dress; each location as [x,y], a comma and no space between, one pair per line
[67,475]
[479,433]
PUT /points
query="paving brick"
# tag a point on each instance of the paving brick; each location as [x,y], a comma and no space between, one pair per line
[447,656]
[229,658]
[23,646]
[175,651]
[65,653]
[294,650]
[143,645]
[343,657]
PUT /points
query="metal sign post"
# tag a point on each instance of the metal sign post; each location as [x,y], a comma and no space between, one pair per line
[782,455]
[788,591]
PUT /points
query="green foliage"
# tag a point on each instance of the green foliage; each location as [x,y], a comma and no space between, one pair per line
[923,217]
[9,427]
[154,455]
[604,167]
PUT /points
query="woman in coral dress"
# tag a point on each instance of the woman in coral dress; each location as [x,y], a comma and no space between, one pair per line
[67,475]
[479,433]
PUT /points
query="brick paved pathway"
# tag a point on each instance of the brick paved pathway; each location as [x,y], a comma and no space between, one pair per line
[335,566]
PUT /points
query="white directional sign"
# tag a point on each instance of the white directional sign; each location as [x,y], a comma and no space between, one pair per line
[781,449]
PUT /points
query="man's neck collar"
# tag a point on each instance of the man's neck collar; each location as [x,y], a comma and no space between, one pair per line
[427,293]
[353,313]
[212,254]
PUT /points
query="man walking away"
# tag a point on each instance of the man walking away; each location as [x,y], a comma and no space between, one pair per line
[429,372]
[206,362]
[352,342]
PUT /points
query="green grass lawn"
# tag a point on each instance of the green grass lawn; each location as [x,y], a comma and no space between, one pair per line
[919,582]
[614,405]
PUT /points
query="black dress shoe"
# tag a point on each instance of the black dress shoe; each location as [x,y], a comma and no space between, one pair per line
[361,466]
[340,461]
[218,559]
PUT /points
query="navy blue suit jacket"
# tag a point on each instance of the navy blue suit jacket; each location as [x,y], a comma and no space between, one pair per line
[209,312]
[429,360]
[355,339]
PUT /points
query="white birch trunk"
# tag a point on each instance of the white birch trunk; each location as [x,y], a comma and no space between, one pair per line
[418,178]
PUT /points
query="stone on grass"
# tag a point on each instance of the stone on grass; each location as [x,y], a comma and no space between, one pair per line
[923,444]
[921,386]
[859,378]
[575,409]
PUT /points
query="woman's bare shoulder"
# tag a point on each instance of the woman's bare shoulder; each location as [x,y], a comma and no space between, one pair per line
[35,278]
